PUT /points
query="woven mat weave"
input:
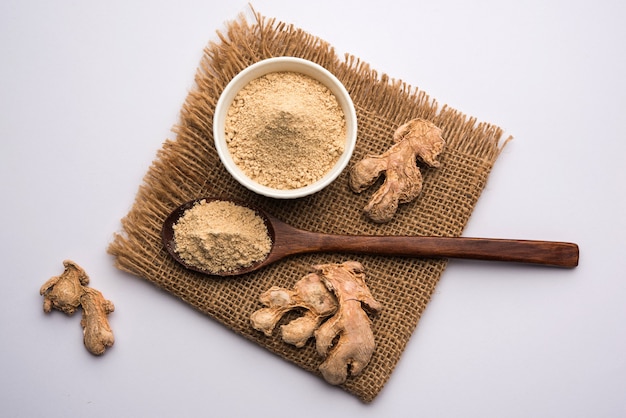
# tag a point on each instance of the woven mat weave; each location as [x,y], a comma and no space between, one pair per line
[188,167]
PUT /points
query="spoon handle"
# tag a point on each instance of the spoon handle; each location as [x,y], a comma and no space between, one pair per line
[559,254]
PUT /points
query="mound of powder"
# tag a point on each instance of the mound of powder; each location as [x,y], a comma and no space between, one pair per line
[220,236]
[285,130]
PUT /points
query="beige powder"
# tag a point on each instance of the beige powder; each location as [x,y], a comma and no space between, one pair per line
[221,236]
[285,130]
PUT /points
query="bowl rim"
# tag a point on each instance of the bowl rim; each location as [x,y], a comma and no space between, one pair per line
[282,64]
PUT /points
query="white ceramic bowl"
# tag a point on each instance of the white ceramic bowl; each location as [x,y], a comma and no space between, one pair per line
[273,65]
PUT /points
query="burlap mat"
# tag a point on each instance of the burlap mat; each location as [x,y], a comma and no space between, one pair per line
[188,168]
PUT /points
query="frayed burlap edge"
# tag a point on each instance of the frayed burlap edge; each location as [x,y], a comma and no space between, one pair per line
[188,167]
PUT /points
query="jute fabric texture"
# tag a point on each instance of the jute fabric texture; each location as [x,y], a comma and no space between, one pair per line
[188,167]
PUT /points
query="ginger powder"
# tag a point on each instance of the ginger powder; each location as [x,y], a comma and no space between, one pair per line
[220,236]
[285,130]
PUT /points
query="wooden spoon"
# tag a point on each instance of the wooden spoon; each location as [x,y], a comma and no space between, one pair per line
[287,241]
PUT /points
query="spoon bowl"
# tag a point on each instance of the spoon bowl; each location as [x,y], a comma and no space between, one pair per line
[169,240]
[288,240]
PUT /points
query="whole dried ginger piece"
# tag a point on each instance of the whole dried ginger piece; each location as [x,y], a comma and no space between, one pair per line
[417,138]
[68,292]
[333,299]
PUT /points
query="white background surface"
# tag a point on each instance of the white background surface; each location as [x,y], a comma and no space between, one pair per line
[90,90]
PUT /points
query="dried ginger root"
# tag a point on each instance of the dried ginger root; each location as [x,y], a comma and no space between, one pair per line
[338,295]
[356,340]
[63,292]
[310,294]
[68,292]
[403,180]
[97,332]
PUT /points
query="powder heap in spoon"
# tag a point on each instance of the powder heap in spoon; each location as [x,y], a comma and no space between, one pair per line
[285,130]
[219,236]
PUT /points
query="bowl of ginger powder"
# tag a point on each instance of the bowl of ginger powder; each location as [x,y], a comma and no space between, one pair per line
[285,127]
